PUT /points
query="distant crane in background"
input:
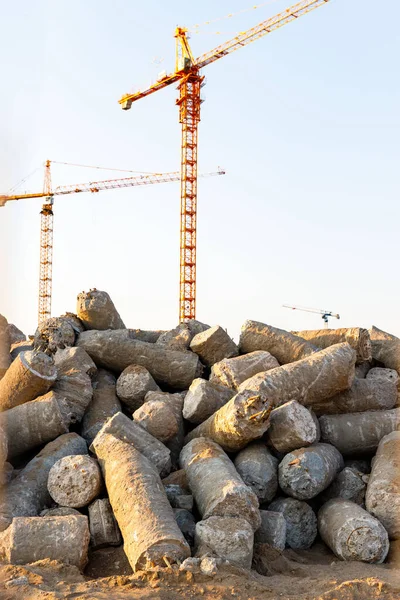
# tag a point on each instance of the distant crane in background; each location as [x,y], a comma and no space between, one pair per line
[190,82]
[47,215]
[324,313]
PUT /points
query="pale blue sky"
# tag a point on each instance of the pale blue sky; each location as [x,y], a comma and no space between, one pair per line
[305,121]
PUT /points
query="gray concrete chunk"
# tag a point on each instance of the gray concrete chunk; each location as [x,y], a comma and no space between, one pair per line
[231,372]
[213,345]
[301,522]
[259,470]
[272,530]
[133,384]
[291,426]
[203,399]
[230,538]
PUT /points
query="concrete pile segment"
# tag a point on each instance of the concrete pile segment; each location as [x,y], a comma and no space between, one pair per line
[284,346]
[259,470]
[74,481]
[147,336]
[126,430]
[292,426]
[351,532]
[229,538]
[175,403]
[231,372]
[203,399]
[176,339]
[145,517]
[349,484]
[212,345]
[116,350]
[272,530]
[357,337]
[16,335]
[76,387]
[306,472]
[216,485]
[133,384]
[74,321]
[385,348]
[383,490]
[29,539]
[96,310]
[301,522]
[309,381]
[5,346]
[52,334]
[158,418]
[74,358]
[104,530]
[27,494]
[31,374]
[358,433]
[103,406]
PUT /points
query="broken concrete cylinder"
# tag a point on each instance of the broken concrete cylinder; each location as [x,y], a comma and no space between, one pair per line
[259,470]
[104,404]
[158,418]
[306,472]
[133,384]
[385,348]
[5,346]
[74,321]
[176,339]
[364,394]
[31,374]
[230,538]
[103,527]
[284,346]
[74,481]
[382,374]
[309,381]
[116,350]
[186,523]
[352,533]
[145,336]
[16,335]
[349,485]
[358,433]
[301,522]
[203,399]
[76,387]
[357,337]
[128,431]
[216,485]
[27,494]
[240,421]
[29,539]
[292,426]
[383,490]
[34,423]
[272,530]
[175,403]
[231,372]
[145,518]
[52,334]
[96,310]
[66,359]
[212,345]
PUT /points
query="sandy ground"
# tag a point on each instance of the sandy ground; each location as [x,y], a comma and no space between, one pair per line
[308,575]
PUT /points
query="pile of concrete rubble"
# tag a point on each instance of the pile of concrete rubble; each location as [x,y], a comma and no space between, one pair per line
[189,449]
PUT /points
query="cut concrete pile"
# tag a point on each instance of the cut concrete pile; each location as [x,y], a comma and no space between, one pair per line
[189,449]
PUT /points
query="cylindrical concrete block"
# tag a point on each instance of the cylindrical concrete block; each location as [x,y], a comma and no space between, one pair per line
[96,310]
[352,533]
[230,538]
[34,423]
[284,346]
[240,421]
[5,346]
[231,372]
[16,335]
[212,345]
[364,394]
[292,426]
[31,374]
[144,515]
[133,384]
[301,522]
[103,527]
[158,419]
[27,494]
[29,539]
[74,321]
[203,399]
[383,490]
[216,485]
[310,380]
[74,481]
[272,530]
[357,337]
[349,485]
[306,472]
[66,359]
[52,334]
[385,348]
[76,386]
[145,336]
[175,403]
[126,430]
[259,470]
[104,404]
[176,339]
[116,350]
[382,374]
[358,433]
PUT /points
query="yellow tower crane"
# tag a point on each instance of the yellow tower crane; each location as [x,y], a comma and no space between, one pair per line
[46,220]
[187,76]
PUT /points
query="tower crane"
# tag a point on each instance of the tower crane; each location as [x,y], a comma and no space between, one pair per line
[190,81]
[324,313]
[46,219]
